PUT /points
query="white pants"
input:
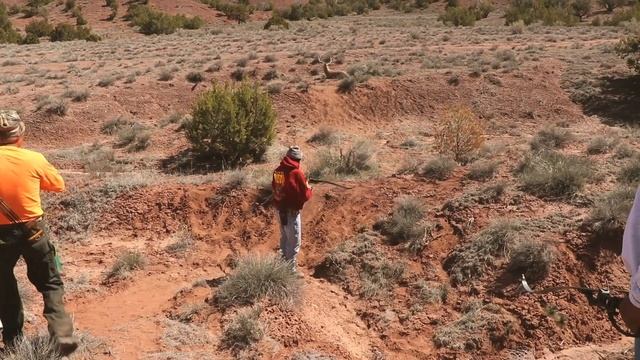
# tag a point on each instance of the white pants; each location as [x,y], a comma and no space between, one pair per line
[290,235]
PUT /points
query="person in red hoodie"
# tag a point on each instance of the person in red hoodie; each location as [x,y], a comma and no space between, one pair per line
[291,191]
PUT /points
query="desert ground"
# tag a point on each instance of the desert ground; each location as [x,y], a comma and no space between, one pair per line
[188,226]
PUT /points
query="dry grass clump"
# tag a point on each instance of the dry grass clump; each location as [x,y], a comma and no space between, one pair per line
[183,240]
[532,258]
[377,274]
[325,136]
[424,292]
[471,261]
[77,95]
[554,175]
[439,168]
[482,170]
[406,224]
[128,261]
[477,320]
[52,106]
[610,211]
[35,348]
[551,138]
[257,278]
[359,159]
[630,173]
[600,145]
[244,331]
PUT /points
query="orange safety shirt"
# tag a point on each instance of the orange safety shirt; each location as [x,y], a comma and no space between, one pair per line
[23,173]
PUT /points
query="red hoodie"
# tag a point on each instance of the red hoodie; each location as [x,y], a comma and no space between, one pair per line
[290,190]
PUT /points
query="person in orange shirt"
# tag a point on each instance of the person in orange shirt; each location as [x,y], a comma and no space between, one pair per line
[23,234]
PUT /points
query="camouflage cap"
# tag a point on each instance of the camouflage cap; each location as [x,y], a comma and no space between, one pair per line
[11,127]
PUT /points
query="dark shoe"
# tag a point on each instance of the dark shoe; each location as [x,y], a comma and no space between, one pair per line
[67,345]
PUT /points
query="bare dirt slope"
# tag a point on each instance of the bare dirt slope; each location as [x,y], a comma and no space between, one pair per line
[418,69]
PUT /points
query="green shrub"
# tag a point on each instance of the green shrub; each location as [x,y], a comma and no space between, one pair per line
[7,33]
[610,5]
[581,8]
[458,16]
[257,278]
[232,124]
[630,173]
[151,21]
[69,5]
[531,258]
[439,168]
[30,39]
[547,11]
[629,50]
[551,138]
[68,32]
[244,330]
[551,174]
[39,28]
[610,211]
[276,20]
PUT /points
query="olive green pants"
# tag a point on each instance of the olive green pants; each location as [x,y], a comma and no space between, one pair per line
[41,271]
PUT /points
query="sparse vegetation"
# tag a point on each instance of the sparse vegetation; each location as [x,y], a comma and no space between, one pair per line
[232,125]
[126,262]
[554,175]
[256,278]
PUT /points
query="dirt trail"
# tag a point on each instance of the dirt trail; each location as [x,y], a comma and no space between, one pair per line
[128,318]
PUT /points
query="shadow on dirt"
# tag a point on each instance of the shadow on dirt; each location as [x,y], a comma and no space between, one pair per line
[615,99]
